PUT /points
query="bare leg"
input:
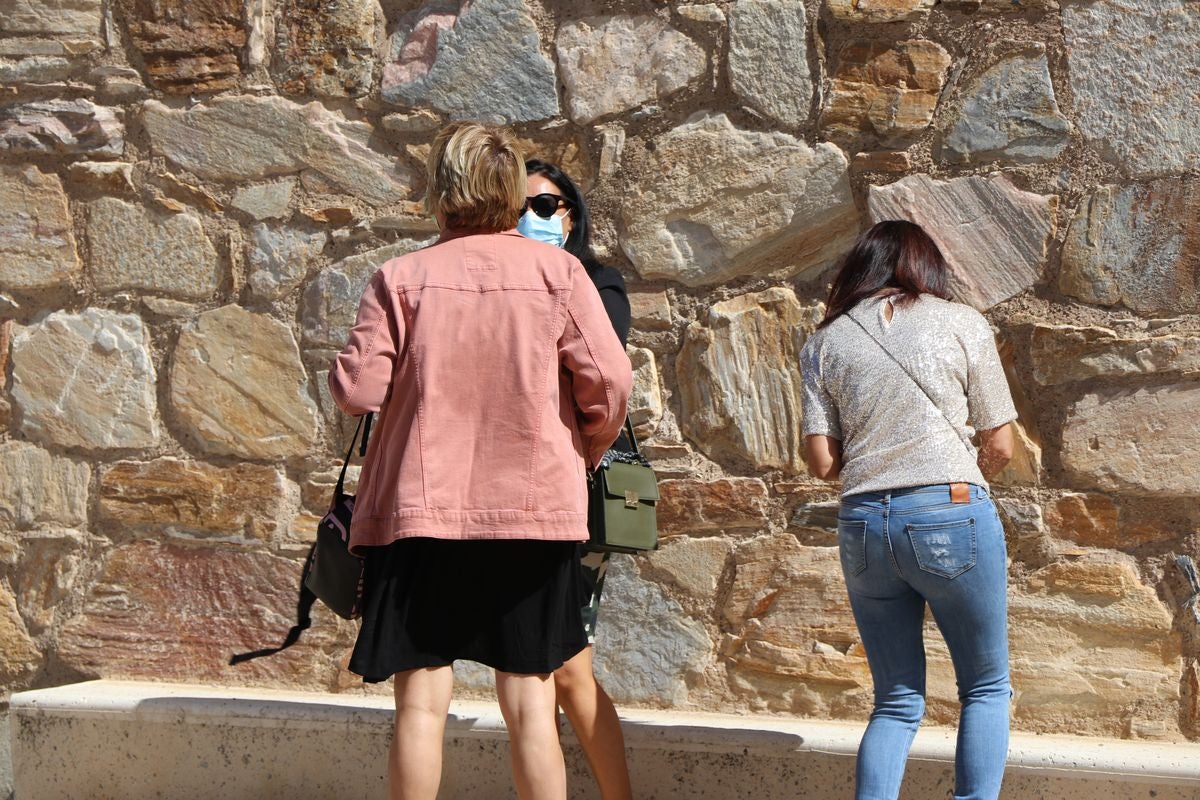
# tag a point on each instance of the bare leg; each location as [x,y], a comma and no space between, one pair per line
[527,702]
[594,720]
[415,758]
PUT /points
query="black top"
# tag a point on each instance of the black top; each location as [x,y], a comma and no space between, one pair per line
[611,286]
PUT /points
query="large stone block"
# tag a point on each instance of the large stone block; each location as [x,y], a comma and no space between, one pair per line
[133,247]
[192,496]
[237,385]
[651,311]
[1149,126]
[472,60]
[888,91]
[279,259]
[739,378]
[1135,440]
[613,64]
[187,46]
[240,138]
[697,507]
[19,653]
[1092,648]
[768,58]
[1002,6]
[1136,245]
[645,404]
[727,202]
[1065,353]
[879,10]
[39,489]
[1009,114]
[794,643]
[326,48]
[648,649]
[265,200]
[330,302]
[66,17]
[994,236]
[50,577]
[86,381]
[37,239]
[177,612]
[692,566]
[61,128]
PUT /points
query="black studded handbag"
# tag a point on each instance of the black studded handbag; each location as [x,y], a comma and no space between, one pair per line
[332,574]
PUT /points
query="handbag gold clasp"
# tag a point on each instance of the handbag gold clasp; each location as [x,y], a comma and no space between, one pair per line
[631,499]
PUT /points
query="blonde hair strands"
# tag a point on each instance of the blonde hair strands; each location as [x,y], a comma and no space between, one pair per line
[476,177]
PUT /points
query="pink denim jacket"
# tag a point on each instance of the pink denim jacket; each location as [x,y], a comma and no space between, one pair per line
[498,379]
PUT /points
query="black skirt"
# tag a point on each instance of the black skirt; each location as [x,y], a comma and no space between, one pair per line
[512,604]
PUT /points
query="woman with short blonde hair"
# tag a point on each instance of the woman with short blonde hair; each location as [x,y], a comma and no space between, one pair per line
[498,380]
[476,177]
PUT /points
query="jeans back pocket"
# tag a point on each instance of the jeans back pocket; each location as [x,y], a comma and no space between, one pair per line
[852,545]
[944,548]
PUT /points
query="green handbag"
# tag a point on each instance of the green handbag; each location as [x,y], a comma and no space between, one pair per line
[622,494]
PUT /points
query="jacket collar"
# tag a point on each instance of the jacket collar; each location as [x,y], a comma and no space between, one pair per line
[448,234]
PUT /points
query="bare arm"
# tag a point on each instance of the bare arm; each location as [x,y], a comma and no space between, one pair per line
[824,456]
[995,449]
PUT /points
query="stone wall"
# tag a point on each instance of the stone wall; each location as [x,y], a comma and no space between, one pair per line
[192,196]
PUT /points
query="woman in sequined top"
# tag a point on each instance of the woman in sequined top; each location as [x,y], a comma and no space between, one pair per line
[898,382]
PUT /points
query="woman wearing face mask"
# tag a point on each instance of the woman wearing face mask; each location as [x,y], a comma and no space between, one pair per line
[555,213]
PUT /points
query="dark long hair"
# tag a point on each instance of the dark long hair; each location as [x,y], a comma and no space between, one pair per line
[894,255]
[579,241]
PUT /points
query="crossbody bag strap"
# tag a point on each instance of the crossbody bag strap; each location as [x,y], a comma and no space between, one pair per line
[632,439]
[364,427]
[883,347]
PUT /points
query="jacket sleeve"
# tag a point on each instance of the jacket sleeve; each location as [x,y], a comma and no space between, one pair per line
[361,374]
[601,375]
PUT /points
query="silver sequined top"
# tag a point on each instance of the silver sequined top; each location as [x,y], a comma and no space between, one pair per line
[892,435]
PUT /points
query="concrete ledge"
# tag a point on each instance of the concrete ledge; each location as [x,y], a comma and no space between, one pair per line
[141,740]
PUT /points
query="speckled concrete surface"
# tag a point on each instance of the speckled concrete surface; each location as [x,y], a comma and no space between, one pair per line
[131,741]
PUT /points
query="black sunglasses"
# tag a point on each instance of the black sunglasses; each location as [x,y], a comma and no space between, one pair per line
[545,204]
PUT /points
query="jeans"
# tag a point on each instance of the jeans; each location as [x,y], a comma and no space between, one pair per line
[900,550]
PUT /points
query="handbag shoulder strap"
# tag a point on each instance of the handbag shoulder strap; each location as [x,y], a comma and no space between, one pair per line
[632,439]
[913,378]
[364,427]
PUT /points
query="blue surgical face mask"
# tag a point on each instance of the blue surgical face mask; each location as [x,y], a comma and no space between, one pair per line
[549,231]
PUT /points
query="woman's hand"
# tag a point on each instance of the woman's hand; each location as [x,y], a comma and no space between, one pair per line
[995,449]
[823,454]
